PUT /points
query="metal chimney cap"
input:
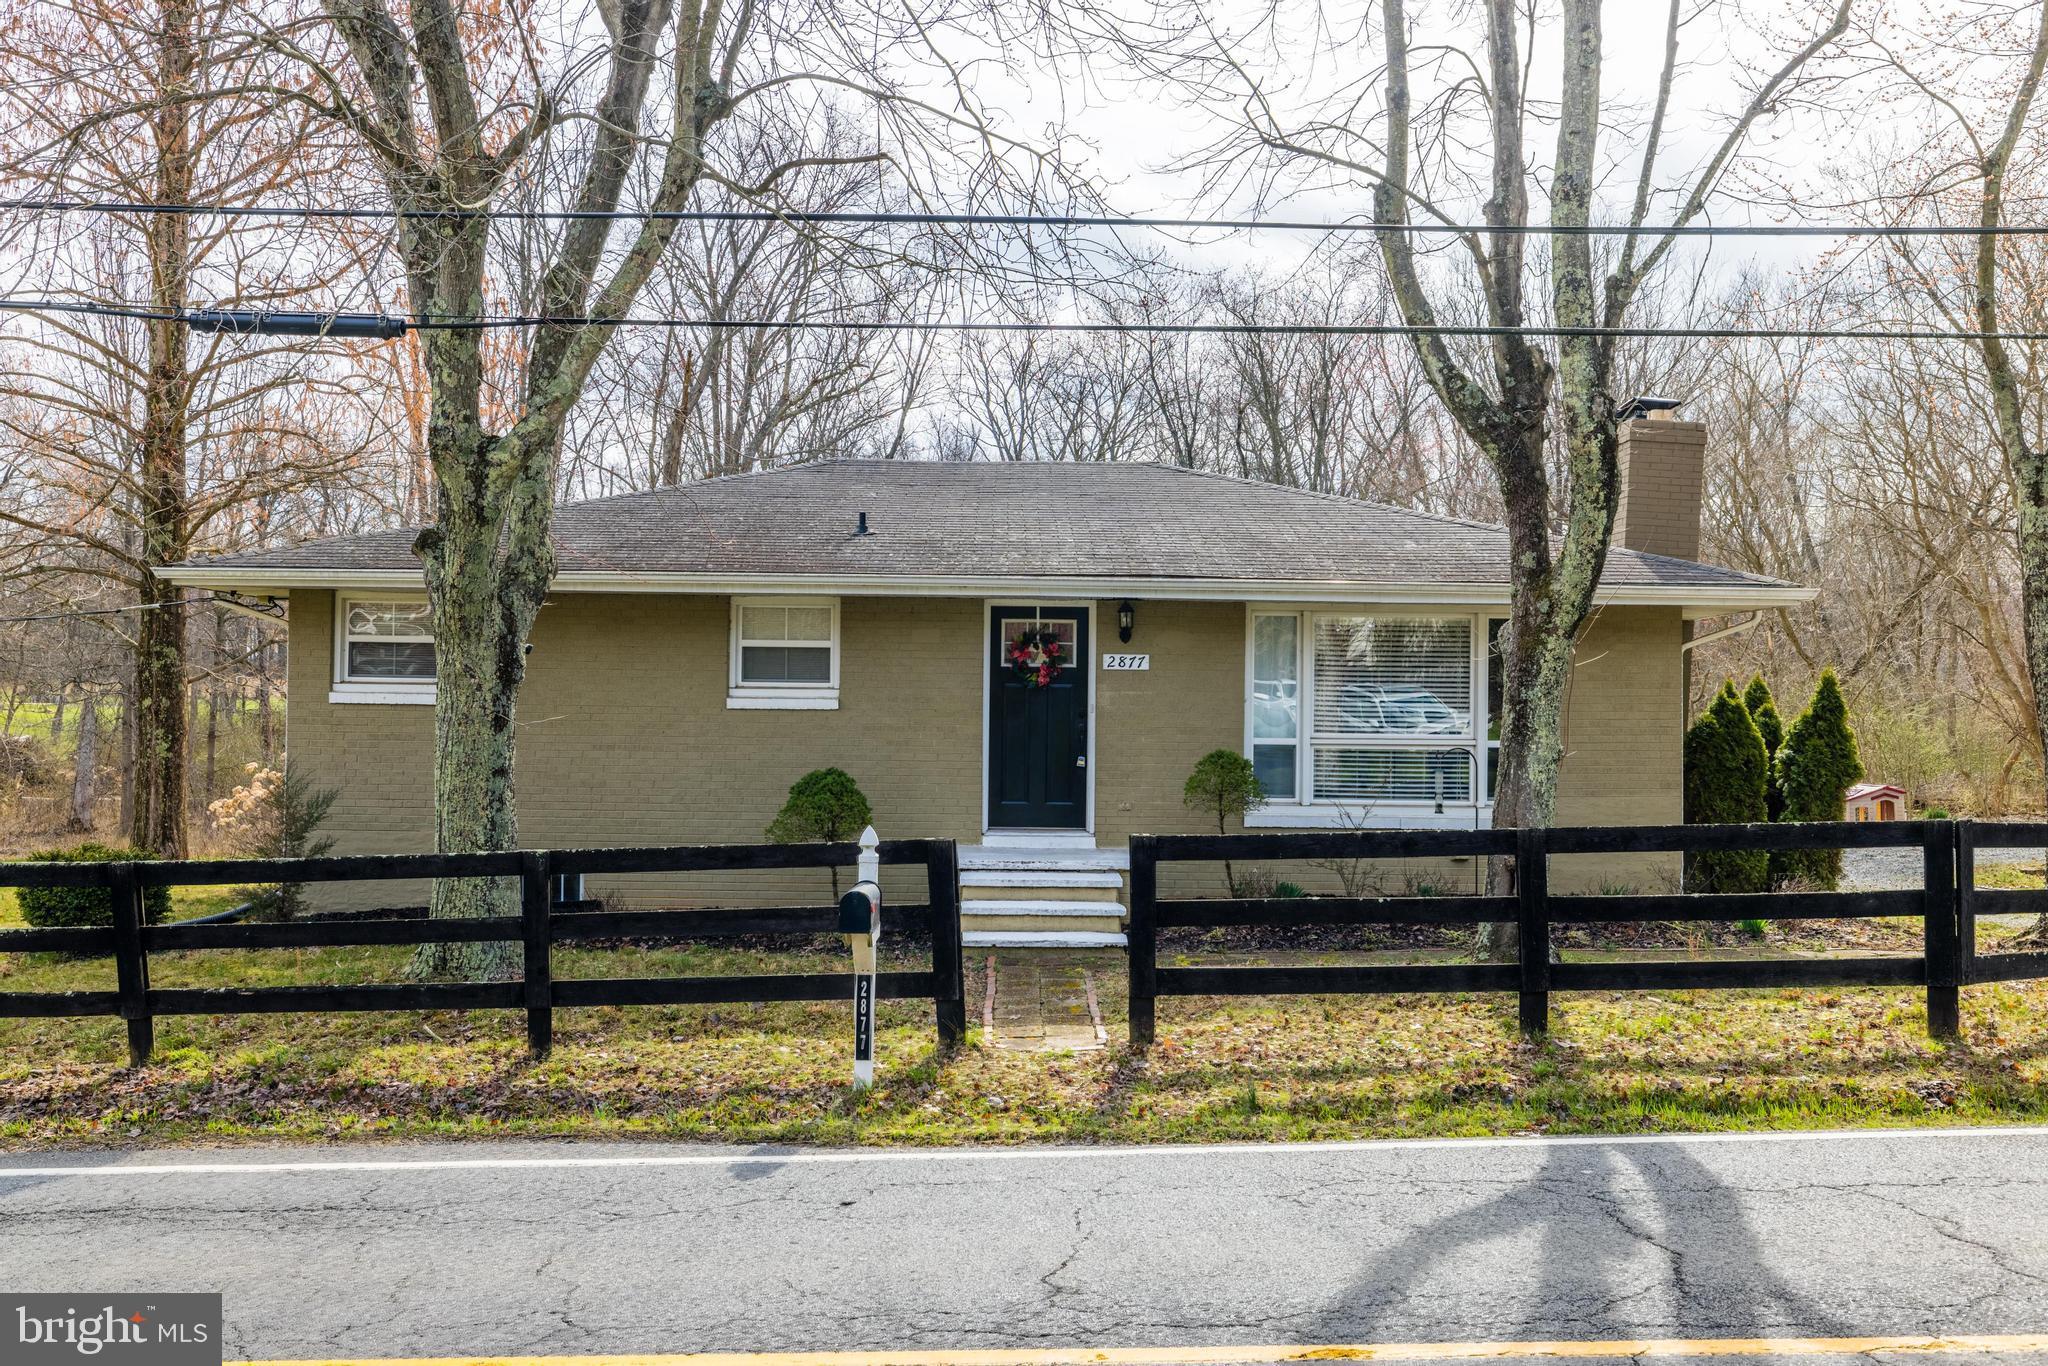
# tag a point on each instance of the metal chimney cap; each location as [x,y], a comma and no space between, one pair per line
[1647,405]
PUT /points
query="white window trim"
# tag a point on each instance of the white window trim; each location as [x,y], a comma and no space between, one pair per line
[1303,811]
[741,696]
[380,691]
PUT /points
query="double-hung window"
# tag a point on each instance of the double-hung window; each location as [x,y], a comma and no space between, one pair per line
[785,653]
[384,650]
[1368,711]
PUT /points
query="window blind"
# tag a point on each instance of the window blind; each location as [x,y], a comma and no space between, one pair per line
[1396,678]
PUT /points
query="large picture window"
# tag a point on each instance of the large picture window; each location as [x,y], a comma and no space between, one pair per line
[1362,711]
[785,652]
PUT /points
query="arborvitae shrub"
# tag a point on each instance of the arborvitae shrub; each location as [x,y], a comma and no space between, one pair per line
[1816,765]
[1724,785]
[1763,709]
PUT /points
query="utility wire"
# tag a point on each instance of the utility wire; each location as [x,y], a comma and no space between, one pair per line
[798,216]
[450,322]
[72,613]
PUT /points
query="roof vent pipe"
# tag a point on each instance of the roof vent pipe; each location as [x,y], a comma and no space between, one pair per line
[862,529]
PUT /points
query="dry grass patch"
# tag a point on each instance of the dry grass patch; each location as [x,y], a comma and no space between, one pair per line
[1287,1068]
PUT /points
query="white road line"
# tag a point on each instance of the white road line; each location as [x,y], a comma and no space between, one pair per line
[1076,1152]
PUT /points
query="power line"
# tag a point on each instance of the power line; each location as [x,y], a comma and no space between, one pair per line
[859,217]
[342,325]
[70,614]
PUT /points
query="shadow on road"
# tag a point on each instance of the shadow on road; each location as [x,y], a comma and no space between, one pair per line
[1633,1240]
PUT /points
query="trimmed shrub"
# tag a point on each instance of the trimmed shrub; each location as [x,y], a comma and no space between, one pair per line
[53,908]
[1223,785]
[1816,766]
[1724,784]
[825,804]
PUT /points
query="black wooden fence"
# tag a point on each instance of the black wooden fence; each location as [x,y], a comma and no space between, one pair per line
[1947,899]
[538,927]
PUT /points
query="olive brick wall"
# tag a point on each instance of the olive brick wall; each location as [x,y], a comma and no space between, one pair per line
[625,738]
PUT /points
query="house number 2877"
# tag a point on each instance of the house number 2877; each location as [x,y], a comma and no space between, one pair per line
[1127,661]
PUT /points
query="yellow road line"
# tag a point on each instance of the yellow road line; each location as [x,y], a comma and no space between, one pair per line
[1234,1356]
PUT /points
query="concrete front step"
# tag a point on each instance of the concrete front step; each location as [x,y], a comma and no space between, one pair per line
[1051,939]
[1038,892]
[1043,924]
[1035,858]
[1021,881]
[1112,910]
[1032,890]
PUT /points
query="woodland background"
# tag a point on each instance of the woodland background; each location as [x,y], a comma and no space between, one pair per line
[1868,468]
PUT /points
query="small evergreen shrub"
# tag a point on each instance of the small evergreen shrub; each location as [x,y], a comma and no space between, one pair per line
[1223,785]
[1817,764]
[1935,813]
[1753,928]
[1292,891]
[278,814]
[54,908]
[1724,785]
[825,805]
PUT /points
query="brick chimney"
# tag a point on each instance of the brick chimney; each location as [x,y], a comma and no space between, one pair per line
[1662,468]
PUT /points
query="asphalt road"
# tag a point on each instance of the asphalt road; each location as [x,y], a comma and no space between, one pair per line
[575,1250]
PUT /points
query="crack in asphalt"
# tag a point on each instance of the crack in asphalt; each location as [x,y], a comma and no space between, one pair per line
[1358,1246]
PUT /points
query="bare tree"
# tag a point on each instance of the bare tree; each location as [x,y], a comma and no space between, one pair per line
[459,117]
[1430,154]
[158,104]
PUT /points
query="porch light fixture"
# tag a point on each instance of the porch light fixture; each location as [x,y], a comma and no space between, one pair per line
[1126,618]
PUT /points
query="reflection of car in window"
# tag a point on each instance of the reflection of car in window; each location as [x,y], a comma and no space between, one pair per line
[1273,707]
[1367,707]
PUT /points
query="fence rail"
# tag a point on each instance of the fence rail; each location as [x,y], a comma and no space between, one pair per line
[537,928]
[1947,901]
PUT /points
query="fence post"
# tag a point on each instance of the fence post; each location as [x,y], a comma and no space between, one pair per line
[942,894]
[131,962]
[1532,939]
[535,897]
[1939,931]
[1143,938]
[1966,902]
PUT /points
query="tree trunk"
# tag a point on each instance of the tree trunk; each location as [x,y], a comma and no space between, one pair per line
[57,716]
[486,590]
[126,721]
[158,824]
[83,763]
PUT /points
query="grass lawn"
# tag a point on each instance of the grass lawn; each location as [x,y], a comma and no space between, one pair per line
[2017,877]
[1257,1069]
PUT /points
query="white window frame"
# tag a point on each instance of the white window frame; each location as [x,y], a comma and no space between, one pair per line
[375,691]
[741,696]
[1301,809]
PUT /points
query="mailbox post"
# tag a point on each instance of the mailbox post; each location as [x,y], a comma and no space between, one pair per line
[860,920]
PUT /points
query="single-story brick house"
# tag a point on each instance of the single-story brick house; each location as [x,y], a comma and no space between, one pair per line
[706,645]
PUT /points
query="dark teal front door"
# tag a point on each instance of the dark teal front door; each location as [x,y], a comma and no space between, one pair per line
[1038,735]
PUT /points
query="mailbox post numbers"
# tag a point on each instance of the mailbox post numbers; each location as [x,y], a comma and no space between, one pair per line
[860,919]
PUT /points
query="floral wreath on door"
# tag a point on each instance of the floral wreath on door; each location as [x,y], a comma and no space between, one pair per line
[1037,656]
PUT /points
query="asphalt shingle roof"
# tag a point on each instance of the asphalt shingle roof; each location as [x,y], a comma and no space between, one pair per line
[1120,521]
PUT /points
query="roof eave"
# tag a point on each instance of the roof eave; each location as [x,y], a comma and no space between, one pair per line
[1698,600]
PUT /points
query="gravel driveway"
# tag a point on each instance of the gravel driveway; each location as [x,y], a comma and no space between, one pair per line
[1874,870]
